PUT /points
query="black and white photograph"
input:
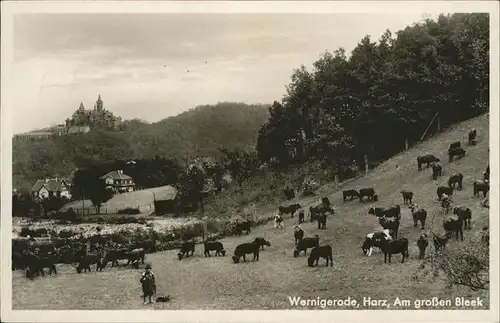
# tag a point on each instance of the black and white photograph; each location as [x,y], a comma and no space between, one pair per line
[278,158]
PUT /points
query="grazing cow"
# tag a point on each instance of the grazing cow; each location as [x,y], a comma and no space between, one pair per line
[407,196]
[301,216]
[460,152]
[472,137]
[298,234]
[456,144]
[456,179]
[290,209]
[368,192]
[422,245]
[453,223]
[136,255]
[262,242]
[436,170]
[322,221]
[186,248]
[465,214]
[486,174]
[426,159]
[418,214]
[389,212]
[444,190]
[391,224]
[394,247]
[289,193]
[278,221]
[324,252]
[373,240]
[35,263]
[440,241]
[87,260]
[243,226]
[114,255]
[481,186]
[350,193]
[304,244]
[246,248]
[214,245]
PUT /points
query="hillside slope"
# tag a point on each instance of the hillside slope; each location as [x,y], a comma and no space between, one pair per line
[198,132]
[217,283]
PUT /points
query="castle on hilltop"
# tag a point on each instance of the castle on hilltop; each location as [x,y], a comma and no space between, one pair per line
[98,117]
[82,121]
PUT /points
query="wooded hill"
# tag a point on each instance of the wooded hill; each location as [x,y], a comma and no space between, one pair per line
[199,132]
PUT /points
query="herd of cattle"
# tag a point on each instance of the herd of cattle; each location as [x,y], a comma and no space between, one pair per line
[386,239]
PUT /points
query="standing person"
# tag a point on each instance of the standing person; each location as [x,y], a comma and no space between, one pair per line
[148,284]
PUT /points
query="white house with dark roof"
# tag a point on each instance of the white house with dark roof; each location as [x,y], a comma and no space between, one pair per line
[118,181]
[45,188]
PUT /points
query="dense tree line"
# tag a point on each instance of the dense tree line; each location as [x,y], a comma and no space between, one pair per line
[198,132]
[383,94]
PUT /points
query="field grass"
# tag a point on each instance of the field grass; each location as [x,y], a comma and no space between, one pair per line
[217,283]
[142,199]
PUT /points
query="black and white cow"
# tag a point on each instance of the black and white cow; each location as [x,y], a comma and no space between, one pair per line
[373,240]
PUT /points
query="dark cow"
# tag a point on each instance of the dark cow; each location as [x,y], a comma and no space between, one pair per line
[455,145]
[437,170]
[324,252]
[351,194]
[301,216]
[304,244]
[472,137]
[290,209]
[35,263]
[481,186]
[322,221]
[426,159]
[368,192]
[422,244]
[298,234]
[91,259]
[407,196]
[440,241]
[246,248]
[460,152]
[373,240]
[456,179]
[114,255]
[391,224]
[418,214]
[444,190]
[323,207]
[389,212]
[394,247]
[186,248]
[262,242]
[135,255]
[289,193]
[18,260]
[214,245]
[243,226]
[453,223]
[465,214]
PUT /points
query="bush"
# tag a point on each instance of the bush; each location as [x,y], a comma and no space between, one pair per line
[129,210]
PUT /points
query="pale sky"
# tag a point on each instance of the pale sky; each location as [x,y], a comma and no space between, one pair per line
[139,62]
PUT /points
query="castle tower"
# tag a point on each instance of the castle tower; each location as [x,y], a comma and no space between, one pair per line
[81,108]
[99,103]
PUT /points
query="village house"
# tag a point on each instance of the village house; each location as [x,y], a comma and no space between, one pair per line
[45,188]
[118,181]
